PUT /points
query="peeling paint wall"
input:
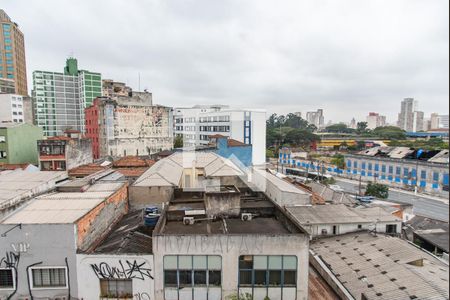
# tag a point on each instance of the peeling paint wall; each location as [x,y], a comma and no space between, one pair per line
[92,226]
[78,152]
[142,196]
[137,130]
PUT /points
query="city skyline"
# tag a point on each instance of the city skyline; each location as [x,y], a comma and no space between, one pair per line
[203,54]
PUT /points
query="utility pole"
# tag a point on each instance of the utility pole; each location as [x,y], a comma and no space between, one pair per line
[359,186]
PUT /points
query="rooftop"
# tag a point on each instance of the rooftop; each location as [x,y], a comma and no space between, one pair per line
[434,156]
[325,214]
[18,185]
[128,236]
[168,171]
[133,162]
[433,231]
[85,170]
[383,267]
[63,207]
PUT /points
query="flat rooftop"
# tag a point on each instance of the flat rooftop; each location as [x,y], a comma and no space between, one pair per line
[383,267]
[18,185]
[63,207]
[325,214]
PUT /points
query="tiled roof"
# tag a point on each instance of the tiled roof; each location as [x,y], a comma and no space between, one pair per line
[132,161]
[86,170]
[236,143]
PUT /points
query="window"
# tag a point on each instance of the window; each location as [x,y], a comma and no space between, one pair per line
[48,277]
[191,271]
[6,279]
[3,154]
[2,139]
[116,288]
[262,272]
[391,228]
[423,174]
[391,169]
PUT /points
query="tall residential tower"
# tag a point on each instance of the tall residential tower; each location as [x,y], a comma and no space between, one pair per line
[12,54]
[60,98]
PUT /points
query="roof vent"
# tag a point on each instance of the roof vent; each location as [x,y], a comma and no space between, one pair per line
[188,220]
[246,216]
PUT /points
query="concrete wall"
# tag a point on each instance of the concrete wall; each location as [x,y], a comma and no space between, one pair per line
[40,245]
[78,152]
[95,224]
[21,144]
[230,247]
[142,196]
[93,267]
[316,230]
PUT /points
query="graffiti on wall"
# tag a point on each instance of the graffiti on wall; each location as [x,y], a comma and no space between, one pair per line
[142,296]
[124,270]
[10,260]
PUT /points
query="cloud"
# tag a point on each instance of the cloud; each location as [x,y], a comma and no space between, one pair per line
[348,58]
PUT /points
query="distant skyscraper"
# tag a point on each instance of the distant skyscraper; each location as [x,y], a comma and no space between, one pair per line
[298,114]
[434,121]
[316,118]
[60,98]
[353,124]
[443,121]
[409,119]
[375,120]
[12,54]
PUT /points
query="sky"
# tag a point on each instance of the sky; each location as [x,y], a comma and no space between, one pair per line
[346,57]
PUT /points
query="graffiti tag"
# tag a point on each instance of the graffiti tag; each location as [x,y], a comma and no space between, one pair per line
[125,270]
[10,260]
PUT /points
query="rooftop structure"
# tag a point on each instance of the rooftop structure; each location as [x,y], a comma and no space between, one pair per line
[429,234]
[369,266]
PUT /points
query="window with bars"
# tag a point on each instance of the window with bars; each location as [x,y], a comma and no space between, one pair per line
[116,288]
[6,279]
[49,277]
[267,271]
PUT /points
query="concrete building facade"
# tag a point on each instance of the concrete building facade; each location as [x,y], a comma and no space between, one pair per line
[316,118]
[128,125]
[12,108]
[198,123]
[7,86]
[12,54]
[60,98]
[375,120]
[63,153]
[18,143]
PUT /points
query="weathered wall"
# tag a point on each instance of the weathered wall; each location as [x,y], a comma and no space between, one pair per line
[94,225]
[91,268]
[78,152]
[243,154]
[222,204]
[21,144]
[230,247]
[141,196]
[40,245]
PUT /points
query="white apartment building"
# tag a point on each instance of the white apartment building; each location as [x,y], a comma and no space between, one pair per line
[375,120]
[199,122]
[316,118]
[12,108]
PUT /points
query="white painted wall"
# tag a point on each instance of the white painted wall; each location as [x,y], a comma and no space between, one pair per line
[93,267]
[12,108]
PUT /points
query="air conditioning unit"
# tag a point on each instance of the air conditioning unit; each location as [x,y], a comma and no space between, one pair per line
[324,232]
[246,216]
[188,220]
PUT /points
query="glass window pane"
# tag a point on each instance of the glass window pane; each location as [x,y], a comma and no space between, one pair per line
[214,262]
[6,278]
[260,262]
[185,277]
[290,278]
[185,262]
[200,262]
[170,278]
[290,262]
[199,277]
[215,278]
[275,262]
[246,262]
[245,278]
[274,278]
[260,277]
[170,262]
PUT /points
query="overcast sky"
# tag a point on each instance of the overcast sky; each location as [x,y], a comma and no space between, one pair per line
[347,57]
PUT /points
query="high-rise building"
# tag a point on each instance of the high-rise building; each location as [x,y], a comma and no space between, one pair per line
[316,118]
[405,117]
[12,54]
[353,124]
[443,121]
[375,120]
[434,121]
[11,108]
[418,121]
[197,124]
[113,88]
[7,86]
[60,98]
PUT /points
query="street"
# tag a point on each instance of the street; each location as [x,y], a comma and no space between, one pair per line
[422,205]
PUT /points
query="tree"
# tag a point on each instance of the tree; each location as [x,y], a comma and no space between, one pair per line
[339,161]
[270,153]
[361,127]
[377,190]
[301,137]
[339,128]
[389,132]
[178,141]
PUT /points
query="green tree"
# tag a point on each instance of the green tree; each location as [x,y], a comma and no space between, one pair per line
[389,132]
[270,153]
[178,141]
[301,138]
[377,190]
[339,161]
[361,127]
[339,128]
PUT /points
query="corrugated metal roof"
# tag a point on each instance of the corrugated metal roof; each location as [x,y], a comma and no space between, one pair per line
[280,183]
[376,213]
[383,267]
[325,214]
